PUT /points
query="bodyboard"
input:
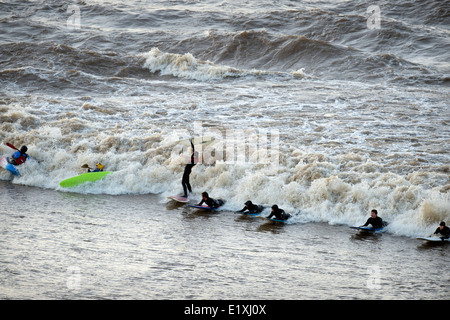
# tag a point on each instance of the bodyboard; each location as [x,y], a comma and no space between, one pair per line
[249,213]
[201,207]
[434,239]
[367,229]
[275,220]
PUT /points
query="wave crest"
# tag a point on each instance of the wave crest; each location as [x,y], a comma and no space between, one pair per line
[186,66]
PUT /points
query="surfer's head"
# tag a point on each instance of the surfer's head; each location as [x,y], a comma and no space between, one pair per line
[442,225]
[205,195]
[99,165]
[374,213]
[274,207]
[24,149]
[248,203]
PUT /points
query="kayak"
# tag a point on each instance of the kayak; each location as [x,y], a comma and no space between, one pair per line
[8,166]
[82,178]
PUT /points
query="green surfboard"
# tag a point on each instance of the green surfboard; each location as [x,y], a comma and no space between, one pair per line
[82,178]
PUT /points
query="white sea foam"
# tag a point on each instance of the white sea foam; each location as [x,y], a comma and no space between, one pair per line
[340,149]
[186,66]
[317,191]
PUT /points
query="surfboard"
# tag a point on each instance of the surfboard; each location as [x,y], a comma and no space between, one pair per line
[82,178]
[8,166]
[434,239]
[178,199]
[367,229]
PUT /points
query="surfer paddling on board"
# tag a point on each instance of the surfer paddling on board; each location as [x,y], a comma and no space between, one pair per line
[210,202]
[278,213]
[187,171]
[443,230]
[251,208]
[374,220]
[19,157]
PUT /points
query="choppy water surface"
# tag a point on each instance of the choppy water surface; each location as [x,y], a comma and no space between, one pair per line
[312,108]
[72,246]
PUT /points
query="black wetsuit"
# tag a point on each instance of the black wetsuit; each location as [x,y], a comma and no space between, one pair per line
[187,171]
[279,214]
[252,208]
[445,232]
[375,222]
[212,203]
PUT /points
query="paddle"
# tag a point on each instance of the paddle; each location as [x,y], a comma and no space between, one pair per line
[12,147]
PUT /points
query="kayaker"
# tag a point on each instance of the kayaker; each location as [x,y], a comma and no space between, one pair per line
[98,168]
[19,157]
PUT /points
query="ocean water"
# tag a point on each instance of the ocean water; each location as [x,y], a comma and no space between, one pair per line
[327,108]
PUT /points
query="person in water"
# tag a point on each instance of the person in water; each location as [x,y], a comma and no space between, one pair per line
[19,157]
[187,171]
[210,202]
[443,230]
[98,168]
[374,220]
[278,213]
[251,208]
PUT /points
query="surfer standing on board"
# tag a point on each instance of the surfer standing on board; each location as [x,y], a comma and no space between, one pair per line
[187,171]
